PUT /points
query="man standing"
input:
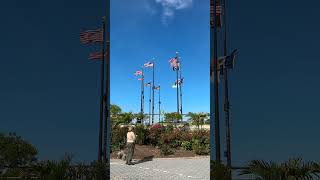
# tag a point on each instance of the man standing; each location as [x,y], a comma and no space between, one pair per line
[131,137]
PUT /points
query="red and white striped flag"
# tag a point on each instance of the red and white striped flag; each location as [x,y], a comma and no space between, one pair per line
[218,14]
[148,64]
[95,55]
[137,73]
[218,10]
[173,60]
[91,36]
[141,79]
[174,63]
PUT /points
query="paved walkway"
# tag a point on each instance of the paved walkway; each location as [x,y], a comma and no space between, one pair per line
[157,169]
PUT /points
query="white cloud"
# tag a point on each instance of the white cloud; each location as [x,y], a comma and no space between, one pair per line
[149,8]
[169,7]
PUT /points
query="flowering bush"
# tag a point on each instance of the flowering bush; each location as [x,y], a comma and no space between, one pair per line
[154,134]
[118,137]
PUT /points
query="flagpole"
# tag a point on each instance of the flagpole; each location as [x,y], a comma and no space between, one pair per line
[226,91]
[150,105]
[180,84]
[159,104]
[153,91]
[108,119]
[214,101]
[142,95]
[101,95]
[177,84]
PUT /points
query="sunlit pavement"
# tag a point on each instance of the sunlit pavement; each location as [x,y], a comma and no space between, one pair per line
[168,169]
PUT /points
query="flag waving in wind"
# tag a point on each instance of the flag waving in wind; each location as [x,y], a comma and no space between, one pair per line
[140,79]
[148,64]
[95,55]
[148,84]
[179,81]
[137,73]
[230,60]
[174,63]
[157,87]
[218,13]
[91,36]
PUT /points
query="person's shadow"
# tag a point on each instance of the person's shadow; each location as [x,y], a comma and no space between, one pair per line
[145,159]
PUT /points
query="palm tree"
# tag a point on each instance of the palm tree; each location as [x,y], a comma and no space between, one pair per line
[172,117]
[293,169]
[197,119]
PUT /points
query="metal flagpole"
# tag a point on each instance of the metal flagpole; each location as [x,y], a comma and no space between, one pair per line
[226,91]
[108,119]
[214,101]
[159,104]
[102,95]
[177,84]
[142,96]
[180,85]
[150,105]
[153,91]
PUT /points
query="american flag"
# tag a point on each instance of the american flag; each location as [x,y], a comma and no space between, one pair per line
[156,87]
[230,60]
[137,73]
[174,63]
[95,55]
[148,64]
[140,79]
[218,13]
[91,36]
[179,81]
[173,60]
[148,84]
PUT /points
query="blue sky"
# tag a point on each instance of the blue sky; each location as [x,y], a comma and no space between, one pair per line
[49,90]
[142,30]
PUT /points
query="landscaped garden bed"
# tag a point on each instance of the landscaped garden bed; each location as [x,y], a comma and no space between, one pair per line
[159,141]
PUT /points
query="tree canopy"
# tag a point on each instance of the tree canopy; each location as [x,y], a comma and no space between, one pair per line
[14,151]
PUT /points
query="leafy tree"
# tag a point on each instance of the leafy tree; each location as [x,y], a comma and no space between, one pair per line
[115,111]
[197,119]
[14,151]
[126,118]
[172,117]
[140,117]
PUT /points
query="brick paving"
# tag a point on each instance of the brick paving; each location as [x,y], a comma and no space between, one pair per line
[162,168]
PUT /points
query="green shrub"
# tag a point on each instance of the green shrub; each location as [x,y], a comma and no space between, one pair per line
[168,139]
[142,134]
[118,137]
[186,145]
[166,150]
[201,142]
[200,146]
[219,171]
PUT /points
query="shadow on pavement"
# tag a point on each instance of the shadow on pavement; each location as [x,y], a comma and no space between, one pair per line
[145,159]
